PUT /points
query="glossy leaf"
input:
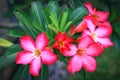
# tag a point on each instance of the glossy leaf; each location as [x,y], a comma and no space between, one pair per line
[9,56]
[5,43]
[64,18]
[22,73]
[16,33]
[26,23]
[38,13]
[78,14]
[81,74]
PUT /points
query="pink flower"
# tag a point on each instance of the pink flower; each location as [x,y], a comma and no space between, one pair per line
[99,34]
[35,53]
[97,16]
[80,27]
[82,56]
[62,41]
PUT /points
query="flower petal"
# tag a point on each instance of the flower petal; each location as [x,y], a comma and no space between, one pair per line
[103,16]
[82,26]
[89,63]
[94,49]
[89,7]
[74,64]
[103,31]
[48,57]
[91,26]
[24,58]
[41,41]
[71,52]
[27,43]
[106,42]
[85,42]
[85,33]
[35,66]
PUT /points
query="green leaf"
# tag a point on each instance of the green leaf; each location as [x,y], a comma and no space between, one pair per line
[38,26]
[54,9]
[38,13]
[26,23]
[50,26]
[116,39]
[78,14]
[5,43]
[43,73]
[16,33]
[9,56]
[67,25]
[55,21]
[22,73]
[81,74]
[64,18]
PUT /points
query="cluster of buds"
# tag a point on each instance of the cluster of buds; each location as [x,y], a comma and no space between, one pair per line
[95,31]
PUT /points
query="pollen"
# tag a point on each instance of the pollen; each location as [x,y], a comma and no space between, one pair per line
[93,35]
[95,16]
[61,43]
[80,51]
[37,53]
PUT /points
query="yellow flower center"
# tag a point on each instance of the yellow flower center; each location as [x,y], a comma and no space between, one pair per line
[37,53]
[61,43]
[93,35]
[80,51]
[95,16]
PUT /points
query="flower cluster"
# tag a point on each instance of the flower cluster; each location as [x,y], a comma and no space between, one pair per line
[95,31]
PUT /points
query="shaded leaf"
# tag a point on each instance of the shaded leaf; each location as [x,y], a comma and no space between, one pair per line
[9,56]
[78,14]
[16,33]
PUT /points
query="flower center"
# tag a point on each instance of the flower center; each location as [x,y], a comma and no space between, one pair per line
[80,51]
[95,16]
[61,43]
[93,35]
[37,53]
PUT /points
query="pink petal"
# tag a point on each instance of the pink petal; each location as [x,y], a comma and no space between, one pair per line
[89,63]
[95,49]
[106,42]
[74,64]
[48,57]
[85,42]
[71,32]
[85,33]
[91,26]
[35,66]
[41,41]
[27,43]
[103,31]
[60,36]
[24,58]
[82,26]
[71,52]
[89,7]
[103,16]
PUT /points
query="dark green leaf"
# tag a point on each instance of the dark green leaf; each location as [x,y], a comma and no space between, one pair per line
[78,14]
[26,23]
[9,56]
[81,74]
[38,13]
[22,73]
[16,33]
[64,18]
